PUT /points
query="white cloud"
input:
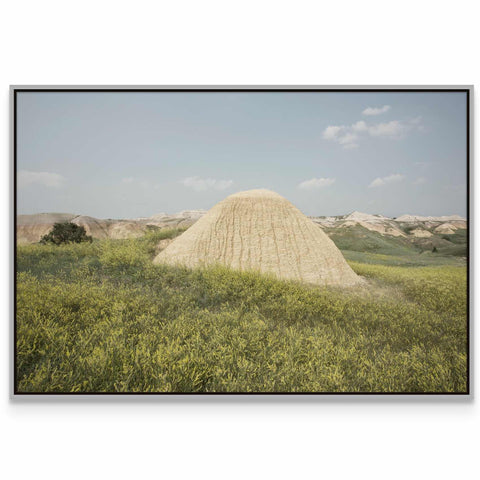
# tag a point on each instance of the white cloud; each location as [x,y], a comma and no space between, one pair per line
[201,184]
[331,132]
[47,179]
[377,183]
[390,129]
[342,135]
[380,181]
[348,136]
[360,126]
[369,111]
[316,183]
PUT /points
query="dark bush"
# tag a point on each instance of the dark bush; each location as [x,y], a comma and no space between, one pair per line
[409,228]
[66,232]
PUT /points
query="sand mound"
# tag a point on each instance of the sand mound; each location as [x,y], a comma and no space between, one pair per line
[260,230]
[458,223]
[446,228]
[383,228]
[125,229]
[93,226]
[31,228]
[365,217]
[421,233]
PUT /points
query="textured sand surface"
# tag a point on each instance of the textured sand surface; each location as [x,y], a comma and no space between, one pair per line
[446,228]
[260,230]
[421,233]
[93,226]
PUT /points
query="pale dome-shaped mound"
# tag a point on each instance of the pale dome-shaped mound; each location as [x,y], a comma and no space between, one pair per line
[262,231]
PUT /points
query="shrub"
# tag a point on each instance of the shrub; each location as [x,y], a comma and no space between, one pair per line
[66,232]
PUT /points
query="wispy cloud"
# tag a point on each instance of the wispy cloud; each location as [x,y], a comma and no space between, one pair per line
[370,111]
[417,121]
[392,129]
[349,136]
[133,182]
[201,184]
[316,183]
[47,179]
[332,132]
[396,128]
[348,139]
[342,135]
[360,126]
[419,181]
[381,181]
[423,164]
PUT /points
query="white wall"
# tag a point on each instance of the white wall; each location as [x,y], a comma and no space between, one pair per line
[218,42]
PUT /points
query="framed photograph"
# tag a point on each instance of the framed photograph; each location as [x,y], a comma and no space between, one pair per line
[241,240]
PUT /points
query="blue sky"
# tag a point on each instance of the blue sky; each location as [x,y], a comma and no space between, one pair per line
[126,155]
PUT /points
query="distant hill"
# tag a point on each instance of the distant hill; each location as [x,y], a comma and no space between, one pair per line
[405,235]
[31,228]
[418,218]
[355,231]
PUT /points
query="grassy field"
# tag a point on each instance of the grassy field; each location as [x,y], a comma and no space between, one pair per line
[359,239]
[101,317]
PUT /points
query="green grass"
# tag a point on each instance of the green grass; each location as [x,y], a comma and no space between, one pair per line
[417,259]
[101,317]
[359,239]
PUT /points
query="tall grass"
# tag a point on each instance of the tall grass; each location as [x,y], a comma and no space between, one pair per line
[101,317]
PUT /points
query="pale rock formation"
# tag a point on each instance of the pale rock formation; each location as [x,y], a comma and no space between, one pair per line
[421,233]
[446,228]
[258,230]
